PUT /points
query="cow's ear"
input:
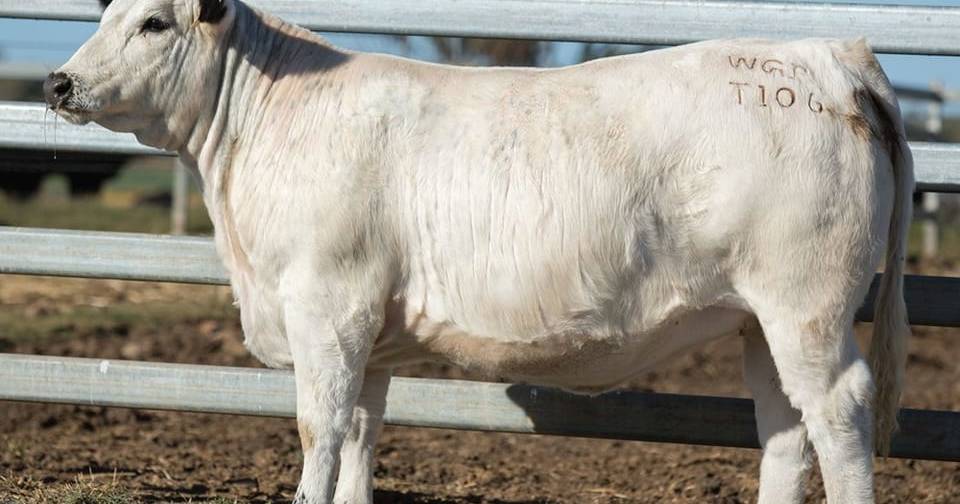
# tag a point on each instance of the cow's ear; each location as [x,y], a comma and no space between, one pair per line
[212,11]
[105,3]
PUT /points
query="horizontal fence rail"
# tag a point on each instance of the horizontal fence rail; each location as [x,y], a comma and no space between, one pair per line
[31,126]
[455,404]
[889,28]
[129,256]
[936,166]
[123,256]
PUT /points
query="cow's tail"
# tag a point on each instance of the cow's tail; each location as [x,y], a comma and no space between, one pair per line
[891,329]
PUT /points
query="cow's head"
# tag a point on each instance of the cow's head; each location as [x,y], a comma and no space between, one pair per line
[149,69]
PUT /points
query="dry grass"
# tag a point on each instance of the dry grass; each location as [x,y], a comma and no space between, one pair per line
[90,489]
[84,490]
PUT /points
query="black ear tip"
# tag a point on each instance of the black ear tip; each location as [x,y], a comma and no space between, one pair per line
[104,3]
[212,11]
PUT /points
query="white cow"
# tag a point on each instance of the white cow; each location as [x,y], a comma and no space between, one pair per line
[566,227]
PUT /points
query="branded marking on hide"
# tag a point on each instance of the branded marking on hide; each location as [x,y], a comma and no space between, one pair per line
[769,66]
[785,97]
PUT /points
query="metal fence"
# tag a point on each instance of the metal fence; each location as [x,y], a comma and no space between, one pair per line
[456,404]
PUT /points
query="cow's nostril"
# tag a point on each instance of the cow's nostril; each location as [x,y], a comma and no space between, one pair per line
[57,89]
[63,87]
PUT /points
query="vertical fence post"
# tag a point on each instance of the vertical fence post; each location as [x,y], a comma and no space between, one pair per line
[931,201]
[934,123]
[931,231]
[181,198]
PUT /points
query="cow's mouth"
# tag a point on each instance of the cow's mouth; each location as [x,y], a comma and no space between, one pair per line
[73,115]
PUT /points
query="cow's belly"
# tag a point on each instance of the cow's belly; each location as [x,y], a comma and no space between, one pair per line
[583,362]
[261,316]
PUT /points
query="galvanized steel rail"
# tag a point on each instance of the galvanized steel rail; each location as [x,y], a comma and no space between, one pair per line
[123,256]
[890,28]
[30,126]
[456,404]
[131,256]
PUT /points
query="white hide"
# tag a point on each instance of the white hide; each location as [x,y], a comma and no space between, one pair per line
[568,227]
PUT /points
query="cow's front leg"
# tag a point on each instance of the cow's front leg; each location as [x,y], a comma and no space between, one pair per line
[355,483]
[330,337]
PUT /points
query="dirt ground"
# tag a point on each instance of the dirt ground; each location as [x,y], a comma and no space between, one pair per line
[180,457]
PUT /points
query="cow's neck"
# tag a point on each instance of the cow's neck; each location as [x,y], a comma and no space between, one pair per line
[261,53]
[268,68]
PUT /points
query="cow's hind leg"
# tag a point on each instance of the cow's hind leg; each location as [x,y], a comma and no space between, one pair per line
[806,273]
[355,483]
[786,451]
[824,376]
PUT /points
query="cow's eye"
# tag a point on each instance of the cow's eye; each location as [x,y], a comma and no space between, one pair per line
[154,25]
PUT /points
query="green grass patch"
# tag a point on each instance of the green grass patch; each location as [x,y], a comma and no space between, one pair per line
[136,200]
[71,321]
[149,175]
[949,247]
[92,214]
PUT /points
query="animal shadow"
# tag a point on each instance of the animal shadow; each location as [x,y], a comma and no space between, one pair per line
[638,416]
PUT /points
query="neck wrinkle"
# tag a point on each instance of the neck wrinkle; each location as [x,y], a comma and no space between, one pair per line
[206,144]
[258,52]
